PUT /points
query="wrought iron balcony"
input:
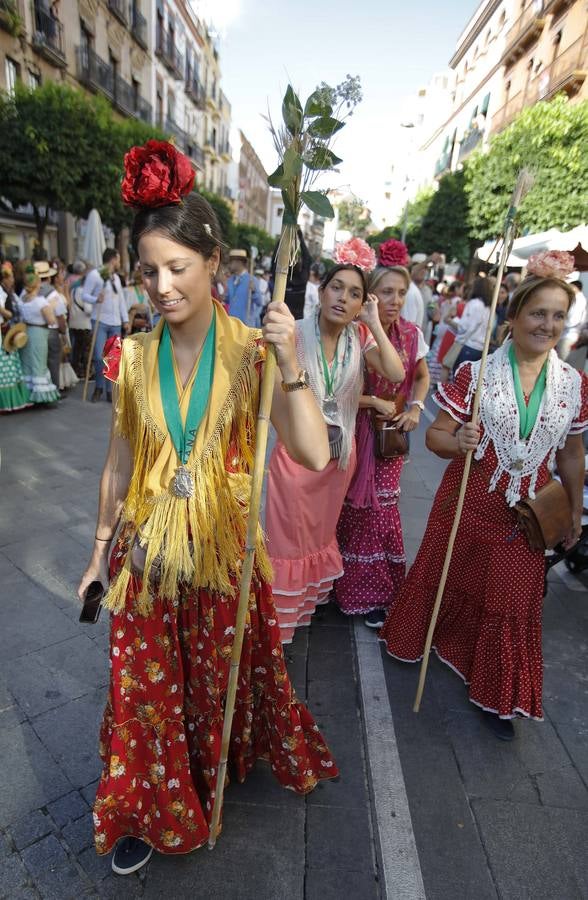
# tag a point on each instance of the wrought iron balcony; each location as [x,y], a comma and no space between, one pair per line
[120,10]
[195,91]
[94,72]
[196,153]
[176,132]
[139,27]
[525,30]
[48,38]
[168,53]
[470,141]
[98,75]
[567,72]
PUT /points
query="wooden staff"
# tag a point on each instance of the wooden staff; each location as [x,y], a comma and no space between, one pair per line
[91,351]
[523,185]
[265,405]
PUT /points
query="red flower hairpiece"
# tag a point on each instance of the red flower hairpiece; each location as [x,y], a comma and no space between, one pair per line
[393,253]
[356,252]
[156,175]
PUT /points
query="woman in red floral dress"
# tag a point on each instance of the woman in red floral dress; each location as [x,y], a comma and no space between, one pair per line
[176,485]
[534,408]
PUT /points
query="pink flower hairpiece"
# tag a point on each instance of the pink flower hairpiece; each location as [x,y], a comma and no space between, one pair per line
[356,253]
[551,264]
[393,253]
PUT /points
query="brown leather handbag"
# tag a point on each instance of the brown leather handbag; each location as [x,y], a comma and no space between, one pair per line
[546,520]
[389,440]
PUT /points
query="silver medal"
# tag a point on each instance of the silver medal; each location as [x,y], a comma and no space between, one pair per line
[183,483]
[330,407]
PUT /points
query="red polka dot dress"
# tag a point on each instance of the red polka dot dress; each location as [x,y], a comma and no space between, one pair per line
[489,625]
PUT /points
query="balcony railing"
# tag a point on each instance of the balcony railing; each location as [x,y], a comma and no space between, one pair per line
[526,29]
[508,112]
[120,10]
[98,75]
[48,37]
[196,153]
[169,54]
[471,140]
[224,149]
[195,91]
[139,27]
[176,132]
[567,72]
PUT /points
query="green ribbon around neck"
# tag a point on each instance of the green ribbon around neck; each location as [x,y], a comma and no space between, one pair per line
[183,436]
[330,374]
[527,412]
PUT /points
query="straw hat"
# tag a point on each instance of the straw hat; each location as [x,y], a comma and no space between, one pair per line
[44,270]
[15,338]
[238,254]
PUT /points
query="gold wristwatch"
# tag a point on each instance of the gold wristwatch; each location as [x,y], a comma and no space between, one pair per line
[298,385]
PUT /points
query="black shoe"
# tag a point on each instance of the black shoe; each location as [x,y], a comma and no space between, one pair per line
[503,729]
[97,395]
[130,855]
[375,618]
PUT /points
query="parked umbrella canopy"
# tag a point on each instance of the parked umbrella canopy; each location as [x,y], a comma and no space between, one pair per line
[94,243]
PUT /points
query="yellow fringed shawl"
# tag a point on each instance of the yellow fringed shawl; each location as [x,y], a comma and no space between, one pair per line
[214,520]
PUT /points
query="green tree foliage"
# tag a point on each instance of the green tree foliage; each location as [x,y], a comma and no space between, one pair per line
[354,216]
[62,150]
[247,236]
[445,226]
[224,214]
[551,140]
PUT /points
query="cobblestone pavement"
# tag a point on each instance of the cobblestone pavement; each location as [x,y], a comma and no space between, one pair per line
[489,820]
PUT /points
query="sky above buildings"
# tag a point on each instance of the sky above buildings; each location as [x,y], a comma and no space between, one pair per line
[394,48]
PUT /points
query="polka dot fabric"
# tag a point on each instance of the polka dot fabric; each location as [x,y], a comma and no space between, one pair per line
[489,626]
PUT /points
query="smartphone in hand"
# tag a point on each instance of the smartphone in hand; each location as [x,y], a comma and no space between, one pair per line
[92,603]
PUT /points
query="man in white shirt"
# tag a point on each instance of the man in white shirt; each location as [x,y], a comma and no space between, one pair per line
[109,308]
[575,324]
[46,272]
[311,296]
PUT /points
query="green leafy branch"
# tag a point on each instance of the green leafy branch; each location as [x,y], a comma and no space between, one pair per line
[303,143]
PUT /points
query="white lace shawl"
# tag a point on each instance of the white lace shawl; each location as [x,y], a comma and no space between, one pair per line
[499,415]
[349,382]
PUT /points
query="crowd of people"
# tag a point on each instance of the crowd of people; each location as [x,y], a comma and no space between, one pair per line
[355,362]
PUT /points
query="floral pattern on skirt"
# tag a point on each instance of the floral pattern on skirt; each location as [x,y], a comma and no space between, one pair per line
[161,733]
[372,546]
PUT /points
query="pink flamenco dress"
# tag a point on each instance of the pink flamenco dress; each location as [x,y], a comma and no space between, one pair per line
[369,529]
[489,625]
[302,511]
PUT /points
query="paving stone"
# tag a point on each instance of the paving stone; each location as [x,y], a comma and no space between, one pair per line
[332,698]
[55,674]
[52,871]
[563,788]
[332,666]
[89,793]
[79,834]
[261,787]
[329,883]
[96,867]
[277,873]
[29,777]
[32,828]
[71,735]
[68,809]
[349,846]
[575,740]
[516,837]
[349,790]
[115,887]
[29,621]
[14,878]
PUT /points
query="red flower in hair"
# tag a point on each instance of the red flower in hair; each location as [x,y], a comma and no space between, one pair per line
[393,253]
[156,175]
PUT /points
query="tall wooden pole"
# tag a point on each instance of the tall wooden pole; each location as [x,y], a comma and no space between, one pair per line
[265,405]
[91,351]
[523,184]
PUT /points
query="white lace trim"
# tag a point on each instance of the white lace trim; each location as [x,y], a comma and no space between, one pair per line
[372,557]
